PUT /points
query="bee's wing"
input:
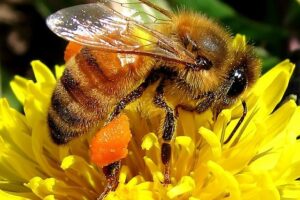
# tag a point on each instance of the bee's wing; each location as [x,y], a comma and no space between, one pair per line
[101,25]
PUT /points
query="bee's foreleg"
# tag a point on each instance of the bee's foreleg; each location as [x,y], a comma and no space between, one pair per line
[168,130]
[206,101]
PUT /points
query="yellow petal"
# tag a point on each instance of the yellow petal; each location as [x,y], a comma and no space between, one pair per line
[290,191]
[222,184]
[44,188]
[185,141]
[42,72]
[182,160]
[59,71]
[19,87]
[271,86]
[239,42]
[221,123]
[278,122]
[149,140]
[213,142]
[11,196]
[154,169]
[265,80]
[185,185]
[81,172]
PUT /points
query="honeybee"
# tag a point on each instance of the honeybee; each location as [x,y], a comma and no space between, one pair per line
[116,52]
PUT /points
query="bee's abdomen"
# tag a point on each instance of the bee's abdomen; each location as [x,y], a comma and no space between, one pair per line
[92,84]
[78,92]
[72,111]
[78,104]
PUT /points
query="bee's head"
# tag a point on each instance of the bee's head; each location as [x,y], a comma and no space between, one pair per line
[223,66]
[245,70]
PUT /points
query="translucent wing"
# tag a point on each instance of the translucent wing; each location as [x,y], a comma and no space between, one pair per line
[101,25]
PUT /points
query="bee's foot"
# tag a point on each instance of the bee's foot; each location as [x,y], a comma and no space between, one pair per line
[111,186]
[167,179]
[111,172]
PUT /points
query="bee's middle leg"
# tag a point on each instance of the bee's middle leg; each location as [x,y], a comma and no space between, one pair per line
[168,130]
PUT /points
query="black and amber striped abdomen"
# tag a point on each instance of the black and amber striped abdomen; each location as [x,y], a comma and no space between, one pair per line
[92,84]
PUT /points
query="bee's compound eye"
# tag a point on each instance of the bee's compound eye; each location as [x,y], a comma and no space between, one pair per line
[239,82]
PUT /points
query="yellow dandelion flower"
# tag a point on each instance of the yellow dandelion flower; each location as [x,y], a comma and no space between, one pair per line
[261,161]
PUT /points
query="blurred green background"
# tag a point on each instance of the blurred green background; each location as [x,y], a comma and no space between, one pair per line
[273,26]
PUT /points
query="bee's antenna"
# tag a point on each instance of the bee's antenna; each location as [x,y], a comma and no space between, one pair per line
[239,122]
[161,10]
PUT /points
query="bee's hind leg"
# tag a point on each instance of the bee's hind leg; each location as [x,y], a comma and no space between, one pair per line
[135,94]
[168,131]
[111,172]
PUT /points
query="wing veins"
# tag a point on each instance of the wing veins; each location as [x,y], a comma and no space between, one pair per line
[109,30]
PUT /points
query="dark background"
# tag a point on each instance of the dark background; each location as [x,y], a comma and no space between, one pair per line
[273,26]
